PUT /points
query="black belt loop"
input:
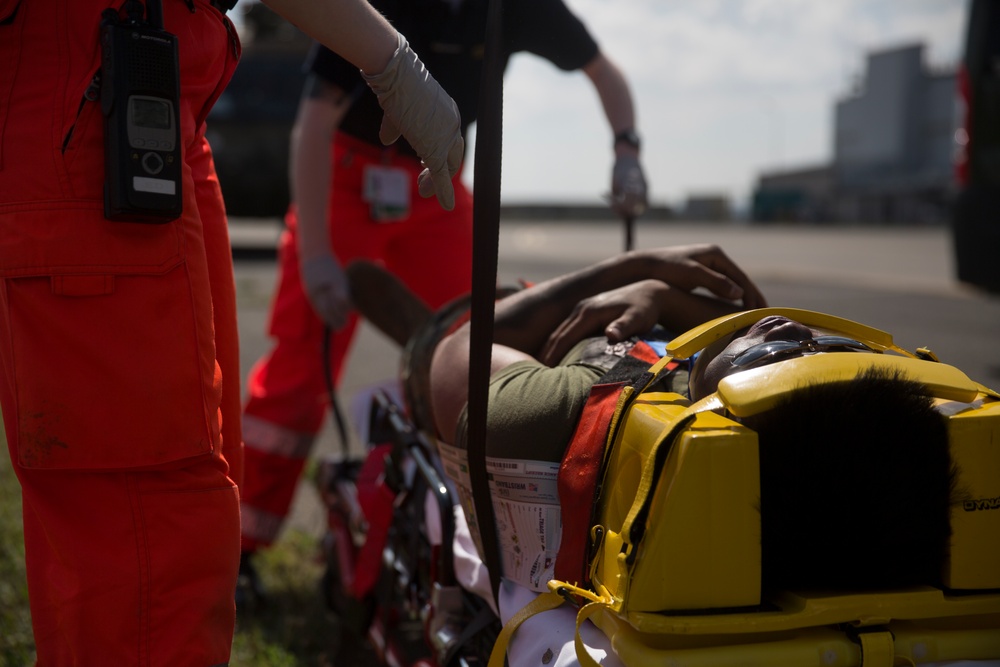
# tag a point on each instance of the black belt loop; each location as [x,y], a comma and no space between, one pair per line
[224,5]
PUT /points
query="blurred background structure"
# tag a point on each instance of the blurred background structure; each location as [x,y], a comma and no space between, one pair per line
[249,125]
[893,149]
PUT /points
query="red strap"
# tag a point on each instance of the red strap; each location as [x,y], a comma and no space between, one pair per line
[582,461]
[644,352]
[376,500]
[578,480]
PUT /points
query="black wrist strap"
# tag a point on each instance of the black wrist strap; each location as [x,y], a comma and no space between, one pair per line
[629,137]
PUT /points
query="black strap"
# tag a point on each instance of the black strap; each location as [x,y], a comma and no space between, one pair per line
[485,240]
[629,222]
[331,392]
[482,620]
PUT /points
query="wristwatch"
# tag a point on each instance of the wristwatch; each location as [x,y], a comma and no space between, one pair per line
[629,137]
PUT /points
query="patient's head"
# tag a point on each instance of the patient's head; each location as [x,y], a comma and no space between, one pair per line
[770,339]
[856,486]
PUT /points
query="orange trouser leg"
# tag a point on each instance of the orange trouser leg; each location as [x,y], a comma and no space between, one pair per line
[150,586]
[108,378]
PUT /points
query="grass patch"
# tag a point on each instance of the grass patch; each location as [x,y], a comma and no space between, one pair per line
[17,646]
[294,627]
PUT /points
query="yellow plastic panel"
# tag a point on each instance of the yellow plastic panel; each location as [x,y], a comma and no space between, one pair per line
[974,561]
[814,647]
[704,550]
[931,640]
[702,336]
[791,611]
[647,420]
[758,389]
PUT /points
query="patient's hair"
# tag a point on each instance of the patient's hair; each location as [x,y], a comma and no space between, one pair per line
[856,486]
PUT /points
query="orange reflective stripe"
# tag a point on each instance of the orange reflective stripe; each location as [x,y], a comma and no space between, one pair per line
[270,438]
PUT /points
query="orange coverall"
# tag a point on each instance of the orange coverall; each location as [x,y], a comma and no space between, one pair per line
[118,350]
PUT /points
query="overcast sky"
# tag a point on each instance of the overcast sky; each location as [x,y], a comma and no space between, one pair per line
[725,89]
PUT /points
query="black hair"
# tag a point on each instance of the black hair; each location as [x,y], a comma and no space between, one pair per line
[857,484]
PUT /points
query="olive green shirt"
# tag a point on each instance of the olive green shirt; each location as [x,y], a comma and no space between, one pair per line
[533,409]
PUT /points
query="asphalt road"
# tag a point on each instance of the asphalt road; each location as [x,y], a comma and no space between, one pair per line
[899,279]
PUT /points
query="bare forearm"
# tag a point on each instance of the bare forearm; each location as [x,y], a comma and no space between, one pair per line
[321,110]
[352,28]
[613,90]
[682,311]
[525,319]
[310,183]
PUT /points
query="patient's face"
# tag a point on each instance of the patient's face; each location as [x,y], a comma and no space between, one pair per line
[768,329]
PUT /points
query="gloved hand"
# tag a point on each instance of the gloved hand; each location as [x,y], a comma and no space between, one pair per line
[628,187]
[325,284]
[417,108]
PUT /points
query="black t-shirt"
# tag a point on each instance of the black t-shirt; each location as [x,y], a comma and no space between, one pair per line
[450,42]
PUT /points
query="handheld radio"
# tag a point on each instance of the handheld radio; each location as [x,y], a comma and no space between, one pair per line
[140,96]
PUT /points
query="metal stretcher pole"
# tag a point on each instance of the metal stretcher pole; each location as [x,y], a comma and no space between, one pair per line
[485,241]
[331,392]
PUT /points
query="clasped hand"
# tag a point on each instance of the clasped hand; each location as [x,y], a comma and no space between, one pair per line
[661,295]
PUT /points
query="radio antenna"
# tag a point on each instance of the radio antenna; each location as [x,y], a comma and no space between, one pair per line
[154,14]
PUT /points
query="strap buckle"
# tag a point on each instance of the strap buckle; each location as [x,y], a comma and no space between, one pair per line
[877,643]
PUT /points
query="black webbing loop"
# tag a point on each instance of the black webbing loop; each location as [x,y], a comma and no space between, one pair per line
[331,392]
[485,240]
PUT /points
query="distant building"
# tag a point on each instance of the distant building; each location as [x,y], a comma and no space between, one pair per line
[894,141]
[560,211]
[892,151]
[804,195]
[708,208]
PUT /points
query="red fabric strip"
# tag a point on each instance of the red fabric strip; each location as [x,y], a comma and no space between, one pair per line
[578,473]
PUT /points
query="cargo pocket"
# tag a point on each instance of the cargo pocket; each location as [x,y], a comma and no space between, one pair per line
[107,372]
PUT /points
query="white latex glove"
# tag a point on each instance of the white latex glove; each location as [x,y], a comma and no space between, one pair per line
[628,187]
[325,284]
[419,109]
